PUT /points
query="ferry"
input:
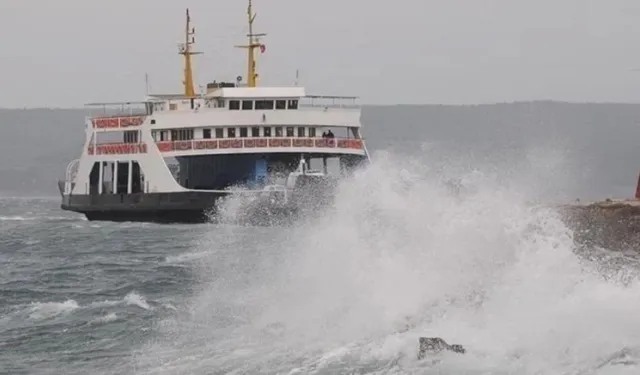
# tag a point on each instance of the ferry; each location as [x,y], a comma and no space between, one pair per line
[174,157]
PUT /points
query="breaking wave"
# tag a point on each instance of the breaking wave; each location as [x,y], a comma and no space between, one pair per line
[396,257]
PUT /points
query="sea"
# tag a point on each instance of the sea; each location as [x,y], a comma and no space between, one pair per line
[349,291]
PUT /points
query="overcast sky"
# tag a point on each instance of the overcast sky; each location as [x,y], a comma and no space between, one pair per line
[66,53]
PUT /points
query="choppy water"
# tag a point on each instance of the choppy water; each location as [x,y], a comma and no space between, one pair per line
[349,292]
[396,258]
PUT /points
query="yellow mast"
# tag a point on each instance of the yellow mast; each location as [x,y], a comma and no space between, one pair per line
[254,43]
[185,50]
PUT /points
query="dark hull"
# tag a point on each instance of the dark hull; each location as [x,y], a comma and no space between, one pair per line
[187,208]
[158,216]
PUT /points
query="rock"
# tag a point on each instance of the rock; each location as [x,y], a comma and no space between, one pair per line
[433,345]
[614,225]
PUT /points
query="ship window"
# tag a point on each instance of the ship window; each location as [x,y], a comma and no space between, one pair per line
[290,131]
[163,136]
[293,104]
[219,133]
[243,132]
[234,105]
[300,131]
[206,133]
[264,104]
[267,132]
[278,131]
[312,132]
[131,136]
[281,104]
[247,105]
[231,132]
[182,134]
[255,131]
[153,122]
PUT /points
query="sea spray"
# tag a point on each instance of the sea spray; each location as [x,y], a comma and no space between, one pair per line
[397,257]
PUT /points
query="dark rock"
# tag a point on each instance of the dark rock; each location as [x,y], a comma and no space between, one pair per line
[614,225]
[433,345]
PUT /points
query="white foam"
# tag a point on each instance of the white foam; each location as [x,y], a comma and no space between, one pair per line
[46,310]
[16,218]
[399,253]
[135,299]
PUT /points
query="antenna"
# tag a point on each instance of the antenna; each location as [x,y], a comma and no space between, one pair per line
[254,42]
[295,83]
[185,50]
[146,82]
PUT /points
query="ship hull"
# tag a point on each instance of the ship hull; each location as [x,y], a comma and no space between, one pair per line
[182,207]
[173,208]
[150,216]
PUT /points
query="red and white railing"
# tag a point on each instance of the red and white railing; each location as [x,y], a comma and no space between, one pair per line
[231,143]
[117,121]
[117,149]
[271,142]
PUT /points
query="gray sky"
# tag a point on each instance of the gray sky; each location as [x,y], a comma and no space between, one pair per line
[70,52]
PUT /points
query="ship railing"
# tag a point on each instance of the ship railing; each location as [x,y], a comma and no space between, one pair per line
[262,142]
[140,108]
[116,121]
[70,177]
[117,148]
[326,102]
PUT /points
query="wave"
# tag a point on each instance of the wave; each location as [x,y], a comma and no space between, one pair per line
[396,257]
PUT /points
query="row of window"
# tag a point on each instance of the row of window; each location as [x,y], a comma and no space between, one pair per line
[279,131]
[249,105]
[180,134]
[242,132]
[234,105]
[131,136]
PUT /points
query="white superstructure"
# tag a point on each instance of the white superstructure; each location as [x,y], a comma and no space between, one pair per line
[212,135]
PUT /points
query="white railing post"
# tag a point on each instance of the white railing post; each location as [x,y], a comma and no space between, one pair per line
[115,177]
[130,178]
[101,177]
